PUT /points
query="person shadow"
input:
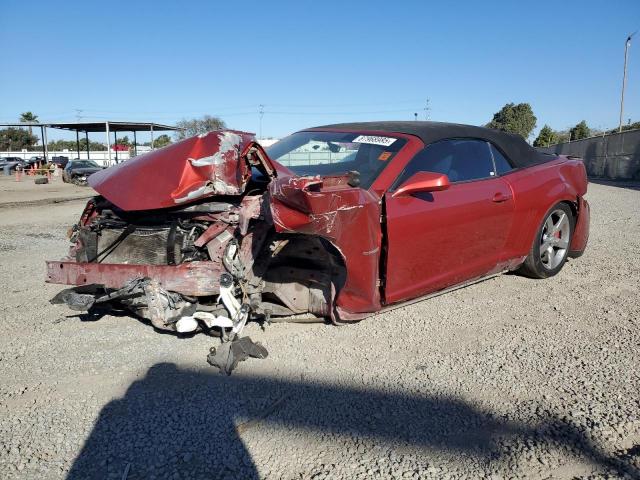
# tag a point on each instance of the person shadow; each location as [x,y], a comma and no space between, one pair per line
[177,423]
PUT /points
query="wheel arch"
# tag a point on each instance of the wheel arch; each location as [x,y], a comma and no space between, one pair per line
[532,266]
[310,256]
[534,217]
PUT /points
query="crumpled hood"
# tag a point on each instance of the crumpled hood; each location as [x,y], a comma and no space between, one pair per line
[202,166]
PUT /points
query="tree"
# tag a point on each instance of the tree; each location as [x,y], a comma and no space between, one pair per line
[59,145]
[197,126]
[16,139]
[629,126]
[28,117]
[546,137]
[93,146]
[580,131]
[124,141]
[161,141]
[563,136]
[515,119]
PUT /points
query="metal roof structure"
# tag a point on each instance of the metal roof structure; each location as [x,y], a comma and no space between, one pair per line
[99,126]
[93,127]
[113,126]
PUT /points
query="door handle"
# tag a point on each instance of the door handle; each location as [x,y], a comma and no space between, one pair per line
[501,197]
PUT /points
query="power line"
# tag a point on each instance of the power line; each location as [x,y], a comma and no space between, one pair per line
[363,112]
[239,111]
[262,111]
[244,108]
[366,104]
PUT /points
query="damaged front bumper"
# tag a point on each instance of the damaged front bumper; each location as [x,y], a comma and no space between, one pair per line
[192,279]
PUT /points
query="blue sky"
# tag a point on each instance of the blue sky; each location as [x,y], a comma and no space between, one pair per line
[311,63]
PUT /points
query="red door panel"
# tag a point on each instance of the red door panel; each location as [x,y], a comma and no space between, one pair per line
[439,239]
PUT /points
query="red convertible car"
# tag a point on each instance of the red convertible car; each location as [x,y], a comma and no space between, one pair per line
[333,222]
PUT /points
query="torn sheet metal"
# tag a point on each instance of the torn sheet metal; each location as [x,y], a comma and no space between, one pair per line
[349,218]
[198,167]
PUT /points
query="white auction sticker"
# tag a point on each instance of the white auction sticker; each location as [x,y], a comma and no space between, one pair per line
[374,140]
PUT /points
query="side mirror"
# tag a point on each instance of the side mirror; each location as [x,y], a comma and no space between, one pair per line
[423,182]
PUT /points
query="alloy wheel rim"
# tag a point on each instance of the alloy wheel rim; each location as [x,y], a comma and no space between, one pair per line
[554,240]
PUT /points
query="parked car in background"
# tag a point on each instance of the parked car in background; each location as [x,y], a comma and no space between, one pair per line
[12,163]
[77,171]
[60,160]
[35,160]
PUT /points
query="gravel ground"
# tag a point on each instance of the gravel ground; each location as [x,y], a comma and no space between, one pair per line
[26,192]
[509,378]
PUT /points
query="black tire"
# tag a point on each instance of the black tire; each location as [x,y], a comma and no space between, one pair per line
[535,266]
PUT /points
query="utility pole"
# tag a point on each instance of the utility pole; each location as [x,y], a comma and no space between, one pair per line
[260,114]
[427,109]
[78,114]
[627,44]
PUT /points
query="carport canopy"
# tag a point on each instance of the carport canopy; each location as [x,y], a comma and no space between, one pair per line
[93,127]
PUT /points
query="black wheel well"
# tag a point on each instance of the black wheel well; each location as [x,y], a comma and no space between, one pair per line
[303,273]
[310,244]
[573,206]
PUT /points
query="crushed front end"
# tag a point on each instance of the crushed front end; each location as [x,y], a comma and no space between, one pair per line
[212,265]
[203,236]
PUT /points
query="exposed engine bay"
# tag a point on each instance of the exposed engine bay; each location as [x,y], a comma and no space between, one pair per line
[264,276]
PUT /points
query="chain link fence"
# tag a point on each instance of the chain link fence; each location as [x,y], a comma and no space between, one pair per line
[615,156]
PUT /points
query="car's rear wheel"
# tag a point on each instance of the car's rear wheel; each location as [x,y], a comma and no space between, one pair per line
[551,245]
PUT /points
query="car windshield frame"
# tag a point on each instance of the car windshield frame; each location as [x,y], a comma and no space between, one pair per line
[346,152]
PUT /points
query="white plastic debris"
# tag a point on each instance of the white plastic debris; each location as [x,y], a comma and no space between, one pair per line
[186,325]
[211,320]
[238,312]
[230,302]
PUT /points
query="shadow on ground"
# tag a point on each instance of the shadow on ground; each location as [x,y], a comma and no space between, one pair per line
[177,423]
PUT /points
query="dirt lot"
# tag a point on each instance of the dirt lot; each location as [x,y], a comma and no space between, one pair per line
[26,192]
[509,378]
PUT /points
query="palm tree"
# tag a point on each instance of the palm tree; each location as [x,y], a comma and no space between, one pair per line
[28,117]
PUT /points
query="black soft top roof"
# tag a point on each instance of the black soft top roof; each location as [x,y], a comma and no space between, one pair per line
[513,146]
